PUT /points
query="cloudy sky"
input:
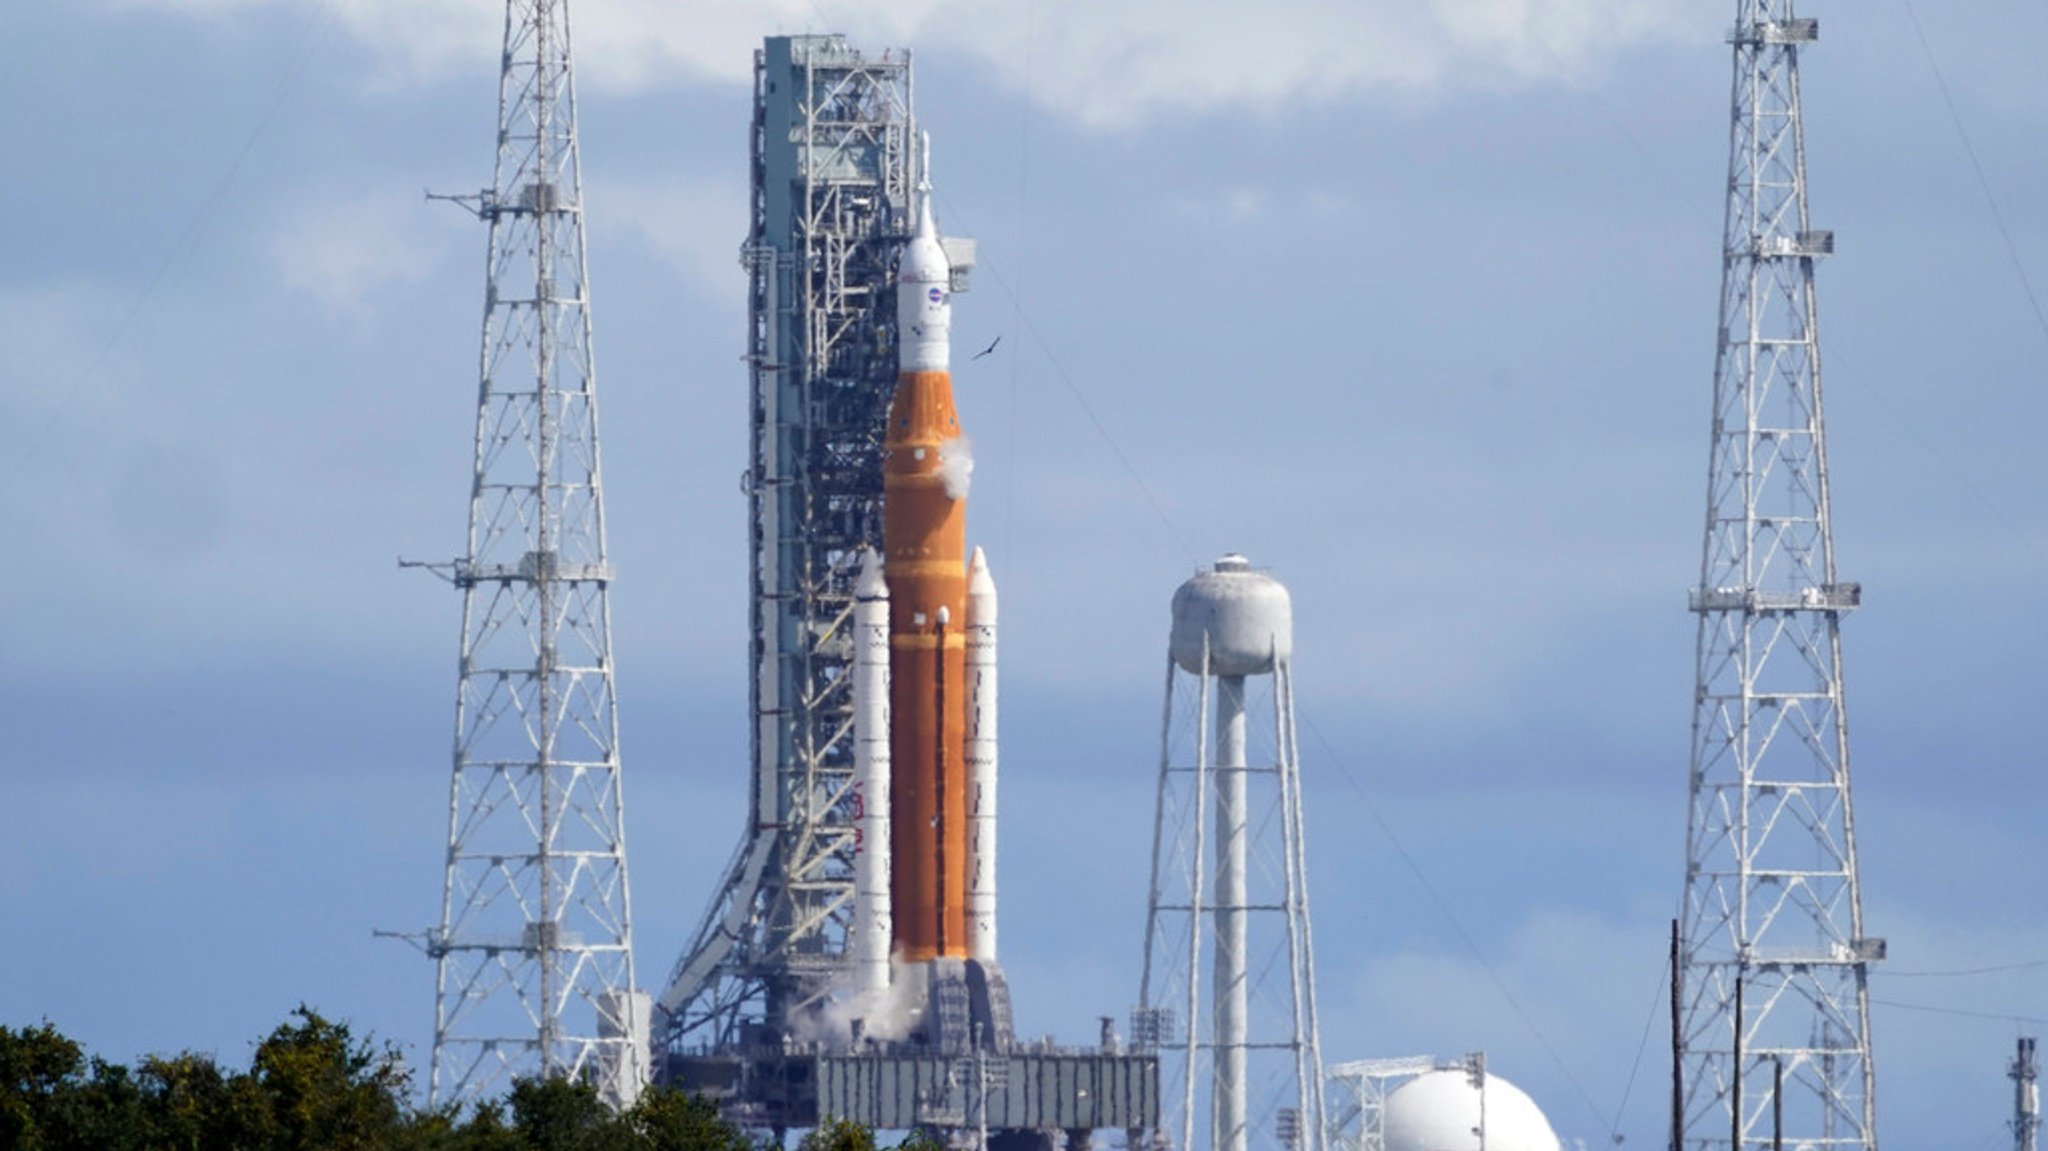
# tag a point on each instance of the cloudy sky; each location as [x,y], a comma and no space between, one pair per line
[1413,302]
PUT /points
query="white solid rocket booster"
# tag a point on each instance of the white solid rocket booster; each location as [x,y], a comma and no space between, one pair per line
[981,759]
[871,910]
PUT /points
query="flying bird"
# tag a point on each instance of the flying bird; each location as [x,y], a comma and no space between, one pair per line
[991,347]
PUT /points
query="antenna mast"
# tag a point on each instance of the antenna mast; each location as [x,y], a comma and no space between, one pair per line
[1772,911]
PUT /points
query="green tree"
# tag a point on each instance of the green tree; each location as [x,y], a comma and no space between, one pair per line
[838,1135]
[36,1066]
[666,1119]
[563,1115]
[102,1111]
[313,1086]
[318,1088]
[488,1131]
[186,1104]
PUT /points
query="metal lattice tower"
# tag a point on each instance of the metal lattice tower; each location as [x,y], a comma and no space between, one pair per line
[834,166]
[1773,957]
[534,948]
[1227,941]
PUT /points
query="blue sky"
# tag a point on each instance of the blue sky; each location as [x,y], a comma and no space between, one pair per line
[1412,302]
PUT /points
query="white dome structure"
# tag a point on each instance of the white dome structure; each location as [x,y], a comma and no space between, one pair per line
[1439,1111]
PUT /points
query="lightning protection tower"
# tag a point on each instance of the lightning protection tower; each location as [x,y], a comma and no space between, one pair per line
[1773,958]
[1234,791]
[534,948]
[835,163]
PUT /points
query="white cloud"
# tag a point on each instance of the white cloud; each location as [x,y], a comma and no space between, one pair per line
[694,225]
[341,252]
[1106,63]
[1114,64]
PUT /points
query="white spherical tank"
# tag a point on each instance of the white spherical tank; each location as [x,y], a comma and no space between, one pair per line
[1245,615]
[1439,1111]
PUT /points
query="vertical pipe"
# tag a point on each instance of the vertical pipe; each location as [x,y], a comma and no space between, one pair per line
[1196,880]
[1677,1047]
[1777,1104]
[1308,1058]
[939,773]
[1230,987]
[547,528]
[1735,1071]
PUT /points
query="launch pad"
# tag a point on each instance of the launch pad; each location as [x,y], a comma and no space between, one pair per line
[847,965]
[1021,1097]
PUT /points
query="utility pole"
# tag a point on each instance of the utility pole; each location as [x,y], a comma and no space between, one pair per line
[534,948]
[2026,1096]
[1475,1074]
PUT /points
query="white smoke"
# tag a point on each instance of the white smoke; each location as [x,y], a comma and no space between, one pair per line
[885,1016]
[956,466]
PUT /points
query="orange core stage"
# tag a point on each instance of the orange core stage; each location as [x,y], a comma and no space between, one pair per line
[924,540]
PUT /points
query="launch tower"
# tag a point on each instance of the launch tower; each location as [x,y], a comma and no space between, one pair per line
[1229,885]
[534,948]
[834,165]
[1774,961]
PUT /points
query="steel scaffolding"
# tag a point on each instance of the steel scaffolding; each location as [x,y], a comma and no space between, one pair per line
[834,165]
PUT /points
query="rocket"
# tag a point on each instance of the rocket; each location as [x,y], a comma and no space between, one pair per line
[924,677]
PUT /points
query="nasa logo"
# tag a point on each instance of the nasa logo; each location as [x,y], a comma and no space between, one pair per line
[937,296]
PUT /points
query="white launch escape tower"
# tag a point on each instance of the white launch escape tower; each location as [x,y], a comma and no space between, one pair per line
[1232,632]
[1773,960]
[534,948]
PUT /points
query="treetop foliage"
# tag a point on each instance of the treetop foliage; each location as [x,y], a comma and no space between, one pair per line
[311,1085]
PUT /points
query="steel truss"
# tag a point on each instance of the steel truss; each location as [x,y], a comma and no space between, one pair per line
[1359,1090]
[1774,958]
[1254,1066]
[534,948]
[833,169]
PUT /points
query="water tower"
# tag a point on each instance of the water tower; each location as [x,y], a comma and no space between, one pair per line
[1228,997]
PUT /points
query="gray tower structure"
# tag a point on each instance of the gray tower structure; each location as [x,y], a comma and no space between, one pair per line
[534,947]
[1774,961]
[1229,886]
[835,163]
[763,1013]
